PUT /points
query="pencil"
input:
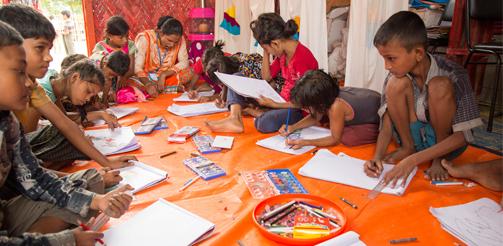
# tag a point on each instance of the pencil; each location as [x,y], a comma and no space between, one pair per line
[168,154]
[287,119]
[348,202]
[86,228]
[403,240]
[189,182]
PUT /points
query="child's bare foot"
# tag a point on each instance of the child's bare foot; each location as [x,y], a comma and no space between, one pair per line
[436,172]
[252,111]
[398,155]
[457,171]
[230,124]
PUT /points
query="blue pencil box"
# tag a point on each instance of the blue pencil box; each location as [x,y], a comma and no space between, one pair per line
[285,181]
[204,167]
[203,144]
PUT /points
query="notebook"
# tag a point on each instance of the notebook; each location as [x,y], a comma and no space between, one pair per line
[224,142]
[142,176]
[347,170]
[249,87]
[278,142]
[110,142]
[162,223]
[349,238]
[475,223]
[185,96]
[118,112]
[195,109]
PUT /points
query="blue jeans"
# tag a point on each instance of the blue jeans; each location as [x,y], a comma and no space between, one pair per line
[269,121]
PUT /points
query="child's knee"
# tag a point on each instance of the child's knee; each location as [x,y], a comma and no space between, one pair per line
[398,86]
[265,125]
[440,88]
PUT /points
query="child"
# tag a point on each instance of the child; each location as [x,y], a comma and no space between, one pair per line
[113,65]
[352,112]
[64,141]
[79,83]
[116,39]
[293,60]
[427,99]
[161,57]
[42,207]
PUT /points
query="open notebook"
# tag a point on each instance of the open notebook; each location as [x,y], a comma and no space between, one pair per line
[195,109]
[349,238]
[249,87]
[118,112]
[347,170]
[110,142]
[141,176]
[475,223]
[162,223]
[185,96]
[278,142]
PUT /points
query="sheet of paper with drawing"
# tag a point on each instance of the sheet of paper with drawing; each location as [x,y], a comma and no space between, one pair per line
[195,109]
[278,142]
[185,96]
[475,223]
[162,223]
[249,87]
[347,170]
[119,112]
[141,176]
[109,142]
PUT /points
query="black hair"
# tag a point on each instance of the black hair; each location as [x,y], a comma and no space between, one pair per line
[163,19]
[118,62]
[172,26]
[270,26]
[116,25]
[27,21]
[315,90]
[66,13]
[212,52]
[87,70]
[9,36]
[70,60]
[406,27]
[222,64]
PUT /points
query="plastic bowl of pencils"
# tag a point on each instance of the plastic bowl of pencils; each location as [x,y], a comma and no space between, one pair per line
[299,219]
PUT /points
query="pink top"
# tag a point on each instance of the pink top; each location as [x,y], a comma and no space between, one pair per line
[301,62]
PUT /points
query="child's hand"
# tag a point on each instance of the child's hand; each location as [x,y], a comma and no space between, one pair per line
[111,120]
[121,161]
[152,90]
[373,168]
[284,133]
[110,177]
[115,203]
[192,94]
[219,103]
[266,102]
[86,238]
[296,143]
[401,171]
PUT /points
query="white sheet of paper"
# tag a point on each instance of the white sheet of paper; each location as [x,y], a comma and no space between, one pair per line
[141,176]
[278,142]
[224,142]
[184,97]
[119,112]
[195,109]
[476,223]
[116,141]
[347,170]
[349,238]
[162,223]
[249,87]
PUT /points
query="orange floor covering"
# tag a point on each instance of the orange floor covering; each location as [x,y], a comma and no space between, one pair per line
[226,202]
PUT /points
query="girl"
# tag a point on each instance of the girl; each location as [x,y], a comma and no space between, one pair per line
[292,59]
[351,112]
[161,57]
[79,83]
[116,39]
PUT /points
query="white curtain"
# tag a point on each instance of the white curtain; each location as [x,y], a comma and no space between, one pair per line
[364,65]
[313,25]
[246,11]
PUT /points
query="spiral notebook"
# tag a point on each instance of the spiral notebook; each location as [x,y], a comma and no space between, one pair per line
[184,97]
[162,223]
[195,109]
[116,141]
[142,176]
[119,112]
[344,169]
[249,87]
[278,142]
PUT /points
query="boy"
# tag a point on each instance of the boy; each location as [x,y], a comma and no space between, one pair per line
[113,65]
[38,34]
[427,100]
[41,202]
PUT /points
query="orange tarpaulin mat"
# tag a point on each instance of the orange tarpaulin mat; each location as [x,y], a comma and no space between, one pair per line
[226,202]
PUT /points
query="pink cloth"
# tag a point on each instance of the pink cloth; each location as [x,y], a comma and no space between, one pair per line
[131,94]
